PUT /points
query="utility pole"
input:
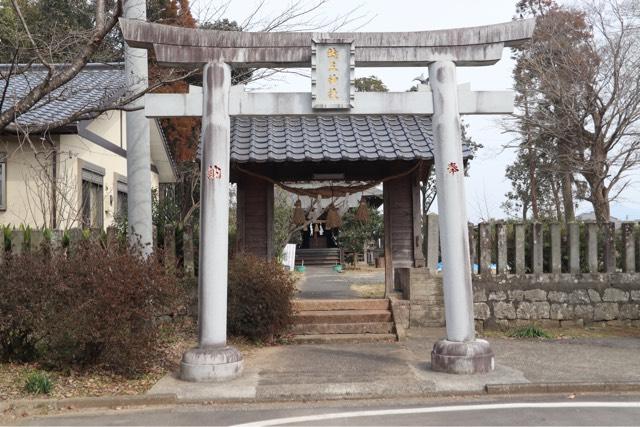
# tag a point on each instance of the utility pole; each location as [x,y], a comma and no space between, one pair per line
[138,144]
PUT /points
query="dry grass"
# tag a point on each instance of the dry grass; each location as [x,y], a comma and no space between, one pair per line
[592,331]
[596,332]
[297,275]
[177,337]
[95,382]
[361,268]
[72,384]
[368,290]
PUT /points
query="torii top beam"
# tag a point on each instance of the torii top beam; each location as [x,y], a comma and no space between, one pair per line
[472,46]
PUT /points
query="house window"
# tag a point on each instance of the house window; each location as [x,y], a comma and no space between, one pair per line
[3,181]
[121,199]
[92,199]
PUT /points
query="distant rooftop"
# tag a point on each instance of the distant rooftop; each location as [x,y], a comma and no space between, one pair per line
[591,216]
[97,85]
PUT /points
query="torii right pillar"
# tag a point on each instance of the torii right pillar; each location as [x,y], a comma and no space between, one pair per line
[460,352]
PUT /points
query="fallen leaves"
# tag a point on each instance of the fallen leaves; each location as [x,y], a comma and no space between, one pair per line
[97,381]
[177,337]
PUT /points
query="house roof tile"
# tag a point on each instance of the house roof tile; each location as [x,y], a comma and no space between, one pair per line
[98,85]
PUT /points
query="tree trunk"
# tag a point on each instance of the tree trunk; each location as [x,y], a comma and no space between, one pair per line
[595,176]
[600,202]
[556,200]
[567,197]
[534,185]
[53,219]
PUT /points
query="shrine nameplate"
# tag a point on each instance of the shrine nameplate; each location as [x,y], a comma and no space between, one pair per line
[332,73]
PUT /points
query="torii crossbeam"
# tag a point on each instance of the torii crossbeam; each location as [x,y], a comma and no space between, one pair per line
[332,58]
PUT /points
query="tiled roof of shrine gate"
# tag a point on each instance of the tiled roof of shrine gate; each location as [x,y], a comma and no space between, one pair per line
[259,139]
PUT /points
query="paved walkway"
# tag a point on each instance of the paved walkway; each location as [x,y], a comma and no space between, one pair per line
[300,372]
[322,282]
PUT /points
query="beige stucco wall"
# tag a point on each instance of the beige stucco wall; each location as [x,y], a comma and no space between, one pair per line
[24,189]
[112,127]
[74,152]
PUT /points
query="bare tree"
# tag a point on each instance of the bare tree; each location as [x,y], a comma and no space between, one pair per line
[48,52]
[51,202]
[106,18]
[63,56]
[583,101]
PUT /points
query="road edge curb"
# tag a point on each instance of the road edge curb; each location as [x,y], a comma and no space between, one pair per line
[173,399]
[89,402]
[563,387]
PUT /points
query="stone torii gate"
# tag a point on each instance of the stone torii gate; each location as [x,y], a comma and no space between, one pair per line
[332,58]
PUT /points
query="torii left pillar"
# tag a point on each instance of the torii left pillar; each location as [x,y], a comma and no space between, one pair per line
[213,359]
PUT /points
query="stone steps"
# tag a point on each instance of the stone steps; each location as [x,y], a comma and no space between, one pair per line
[340,304]
[343,316]
[324,256]
[354,321]
[343,328]
[343,338]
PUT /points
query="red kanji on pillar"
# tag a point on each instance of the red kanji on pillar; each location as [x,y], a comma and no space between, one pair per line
[453,168]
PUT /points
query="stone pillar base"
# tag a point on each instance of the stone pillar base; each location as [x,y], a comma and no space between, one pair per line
[472,357]
[211,364]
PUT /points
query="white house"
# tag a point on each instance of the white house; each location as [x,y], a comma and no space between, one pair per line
[76,174]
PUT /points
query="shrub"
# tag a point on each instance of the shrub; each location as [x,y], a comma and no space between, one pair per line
[38,383]
[354,234]
[90,306]
[260,293]
[530,331]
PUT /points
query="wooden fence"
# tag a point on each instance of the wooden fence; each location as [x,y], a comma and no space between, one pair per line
[177,246]
[498,248]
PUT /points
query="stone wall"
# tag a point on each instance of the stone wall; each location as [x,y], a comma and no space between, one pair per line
[423,291]
[547,273]
[549,300]
[557,300]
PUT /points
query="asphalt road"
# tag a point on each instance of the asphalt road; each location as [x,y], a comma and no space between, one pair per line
[586,410]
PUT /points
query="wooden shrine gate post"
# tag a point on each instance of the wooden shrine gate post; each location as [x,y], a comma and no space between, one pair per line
[332,57]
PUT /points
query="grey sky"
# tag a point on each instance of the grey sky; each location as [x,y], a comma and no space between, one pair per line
[486,186]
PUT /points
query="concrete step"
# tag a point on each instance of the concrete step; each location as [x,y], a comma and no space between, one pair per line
[343,338]
[343,316]
[343,328]
[340,304]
